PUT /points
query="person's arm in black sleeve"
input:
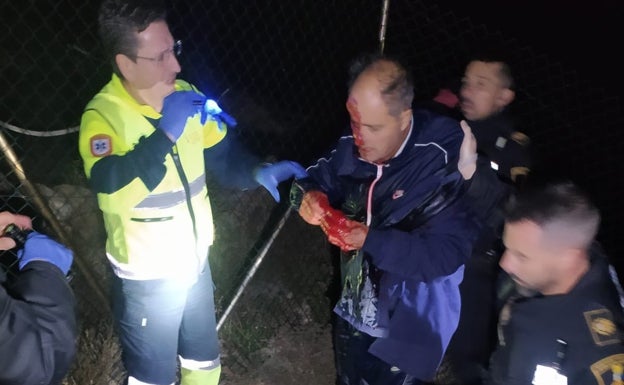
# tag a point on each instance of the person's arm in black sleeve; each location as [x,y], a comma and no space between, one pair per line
[37,326]
[231,163]
[485,190]
[145,161]
[37,312]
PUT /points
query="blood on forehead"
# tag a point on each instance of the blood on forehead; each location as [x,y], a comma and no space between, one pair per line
[353,110]
[356,119]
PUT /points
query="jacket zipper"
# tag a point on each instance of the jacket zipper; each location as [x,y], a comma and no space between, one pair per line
[369,203]
[187,193]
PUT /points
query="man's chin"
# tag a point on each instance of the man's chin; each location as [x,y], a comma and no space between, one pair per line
[167,87]
[524,290]
[468,113]
[364,155]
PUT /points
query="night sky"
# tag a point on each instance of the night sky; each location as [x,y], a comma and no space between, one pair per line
[586,36]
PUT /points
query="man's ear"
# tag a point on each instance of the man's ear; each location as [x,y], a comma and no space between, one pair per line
[405,117]
[506,97]
[126,66]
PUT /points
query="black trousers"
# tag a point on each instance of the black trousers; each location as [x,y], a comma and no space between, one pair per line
[475,339]
[356,366]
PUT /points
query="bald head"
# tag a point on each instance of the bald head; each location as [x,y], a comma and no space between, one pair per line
[389,77]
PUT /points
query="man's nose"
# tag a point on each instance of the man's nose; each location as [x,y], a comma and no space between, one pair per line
[505,263]
[174,64]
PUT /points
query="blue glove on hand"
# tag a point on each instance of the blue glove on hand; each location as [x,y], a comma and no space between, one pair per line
[177,108]
[39,247]
[271,175]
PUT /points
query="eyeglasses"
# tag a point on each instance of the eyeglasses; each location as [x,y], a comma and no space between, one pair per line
[175,50]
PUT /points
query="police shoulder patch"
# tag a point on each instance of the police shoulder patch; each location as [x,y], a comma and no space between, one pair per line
[602,369]
[101,145]
[520,138]
[516,171]
[601,326]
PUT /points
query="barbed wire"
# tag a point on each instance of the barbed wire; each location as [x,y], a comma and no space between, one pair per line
[24,131]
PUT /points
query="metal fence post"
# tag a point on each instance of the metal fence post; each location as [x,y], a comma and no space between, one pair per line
[47,214]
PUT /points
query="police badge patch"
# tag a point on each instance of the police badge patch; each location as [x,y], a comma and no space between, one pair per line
[602,328]
[101,145]
[602,369]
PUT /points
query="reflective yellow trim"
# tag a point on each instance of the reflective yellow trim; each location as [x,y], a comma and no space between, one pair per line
[603,366]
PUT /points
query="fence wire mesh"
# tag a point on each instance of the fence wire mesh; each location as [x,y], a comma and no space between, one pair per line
[280,69]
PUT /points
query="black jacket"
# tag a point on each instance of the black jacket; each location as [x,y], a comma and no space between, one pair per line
[589,319]
[37,326]
[506,148]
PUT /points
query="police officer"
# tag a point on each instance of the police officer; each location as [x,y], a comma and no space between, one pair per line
[486,91]
[499,162]
[37,308]
[563,323]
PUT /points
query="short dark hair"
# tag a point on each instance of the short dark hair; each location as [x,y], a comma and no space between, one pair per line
[121,20]
[489,55]
[559,205]
[397,85]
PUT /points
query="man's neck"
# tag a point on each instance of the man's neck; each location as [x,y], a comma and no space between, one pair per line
[143,96]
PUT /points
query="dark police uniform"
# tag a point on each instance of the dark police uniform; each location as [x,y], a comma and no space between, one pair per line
[580,332]
[506,148]
[503,162]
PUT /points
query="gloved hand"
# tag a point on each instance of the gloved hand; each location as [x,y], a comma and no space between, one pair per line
[269,176]
[177,108]
[39,247]
[467,163]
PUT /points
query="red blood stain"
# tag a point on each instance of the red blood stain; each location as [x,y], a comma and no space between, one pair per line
[356,119]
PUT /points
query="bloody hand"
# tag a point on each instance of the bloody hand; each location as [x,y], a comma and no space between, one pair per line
[336,226]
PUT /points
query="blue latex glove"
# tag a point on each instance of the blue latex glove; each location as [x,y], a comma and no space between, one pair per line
[177,108]
[39,247]
[269,176]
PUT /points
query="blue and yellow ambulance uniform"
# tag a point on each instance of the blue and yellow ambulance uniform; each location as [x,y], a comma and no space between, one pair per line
[158,219]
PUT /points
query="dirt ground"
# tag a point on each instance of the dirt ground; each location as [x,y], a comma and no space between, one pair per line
[292,357]
[289,290]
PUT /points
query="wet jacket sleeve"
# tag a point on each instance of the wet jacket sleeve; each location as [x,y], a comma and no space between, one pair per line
[437,248]
[37,326]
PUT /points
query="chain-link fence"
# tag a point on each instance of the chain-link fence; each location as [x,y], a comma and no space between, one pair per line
[574,124]
[280,68]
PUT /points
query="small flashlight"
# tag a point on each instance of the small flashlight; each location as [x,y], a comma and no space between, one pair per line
[16,234]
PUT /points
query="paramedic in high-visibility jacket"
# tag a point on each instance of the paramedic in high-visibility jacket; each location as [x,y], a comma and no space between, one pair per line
[142,140]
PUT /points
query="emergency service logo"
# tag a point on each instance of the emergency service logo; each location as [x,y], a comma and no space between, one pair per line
[101,145]
[602,327]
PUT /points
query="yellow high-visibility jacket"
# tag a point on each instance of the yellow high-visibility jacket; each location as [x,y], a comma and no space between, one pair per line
[152,192]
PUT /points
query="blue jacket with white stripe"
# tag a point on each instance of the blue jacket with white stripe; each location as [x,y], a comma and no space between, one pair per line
[402,286]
